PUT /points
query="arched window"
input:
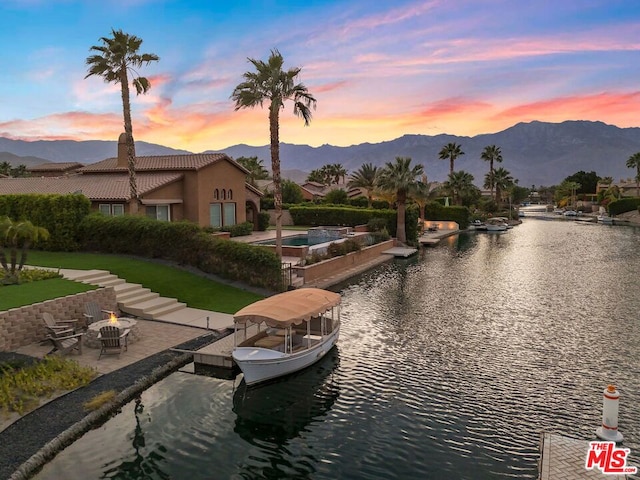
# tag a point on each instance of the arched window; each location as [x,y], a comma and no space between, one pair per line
[224,194]
[230,194]
[216,194]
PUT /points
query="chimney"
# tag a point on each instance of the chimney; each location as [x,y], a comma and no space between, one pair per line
[122,151]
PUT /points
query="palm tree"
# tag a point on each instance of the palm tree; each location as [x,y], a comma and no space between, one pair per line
[14,236]
[502,181]
[317,176]
[458,184]
[400,177]
[365,177]
[423,193]
[491,154]
[634,162]
[255,167]
[116,57]
[450,151]
[269,82]
[19,171]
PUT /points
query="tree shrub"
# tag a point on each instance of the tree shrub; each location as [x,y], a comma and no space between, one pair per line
[239,229]
[336,196]
[360,201]
[377,224]
[460,215]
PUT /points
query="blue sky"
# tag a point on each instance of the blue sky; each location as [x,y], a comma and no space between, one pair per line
[378,71]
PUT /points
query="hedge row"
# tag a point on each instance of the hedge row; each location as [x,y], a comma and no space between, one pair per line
[624,205]
[346,216]
[182,242]
[458,214]
[59,214]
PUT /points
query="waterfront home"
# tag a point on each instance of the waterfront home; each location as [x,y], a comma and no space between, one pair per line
[209,189]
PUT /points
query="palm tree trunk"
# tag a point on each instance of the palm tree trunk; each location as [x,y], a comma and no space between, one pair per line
[401,233]
[274,111]
[451,165]
[131,148]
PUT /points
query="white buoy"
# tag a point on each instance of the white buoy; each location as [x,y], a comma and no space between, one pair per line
[609,429]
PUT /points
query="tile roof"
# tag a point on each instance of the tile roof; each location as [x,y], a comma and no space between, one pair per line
[161,162]
[55,167]
[95,187]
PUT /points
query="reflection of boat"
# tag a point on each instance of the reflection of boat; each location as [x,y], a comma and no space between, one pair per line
[298,333]
[570,213]
[606,219]
[279,410]
[495,225]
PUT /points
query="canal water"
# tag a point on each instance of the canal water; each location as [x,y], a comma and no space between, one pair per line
[449,366]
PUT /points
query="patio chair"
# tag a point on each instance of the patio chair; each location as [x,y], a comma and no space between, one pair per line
[58,326]
[93,312]
[112,340]
[63,344]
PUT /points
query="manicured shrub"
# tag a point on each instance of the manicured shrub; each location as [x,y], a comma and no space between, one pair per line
[59,214]
[360,201]
[624,205]
[336,196]
[239,229]
[376,224]
[435,211]
[263,221]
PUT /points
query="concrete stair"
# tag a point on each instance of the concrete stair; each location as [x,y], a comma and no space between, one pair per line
[132,298]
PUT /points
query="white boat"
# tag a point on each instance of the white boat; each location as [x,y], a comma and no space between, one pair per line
[495,225]
[294,330]
[478,225]
[570,213]
[606,219]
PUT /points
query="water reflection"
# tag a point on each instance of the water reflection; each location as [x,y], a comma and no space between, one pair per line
[281,410]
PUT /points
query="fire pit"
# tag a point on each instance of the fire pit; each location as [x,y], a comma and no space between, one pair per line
[91,339]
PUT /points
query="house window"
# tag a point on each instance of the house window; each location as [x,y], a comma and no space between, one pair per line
[222,214]
[215,214]
[230,195]
[216,194]
[224,194]
[229,214]
[111,210]
[158,212]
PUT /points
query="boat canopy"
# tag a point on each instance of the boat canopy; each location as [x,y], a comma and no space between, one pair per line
[289,308]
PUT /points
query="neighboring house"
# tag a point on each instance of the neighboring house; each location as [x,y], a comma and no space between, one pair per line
[207,189]
[51,169]
[627,187]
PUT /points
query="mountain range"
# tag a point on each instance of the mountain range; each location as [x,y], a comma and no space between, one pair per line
[536,153]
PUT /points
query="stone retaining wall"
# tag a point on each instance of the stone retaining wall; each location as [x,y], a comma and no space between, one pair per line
[328,267]
[23,326]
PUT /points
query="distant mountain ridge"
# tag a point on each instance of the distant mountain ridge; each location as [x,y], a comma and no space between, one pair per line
[537,153]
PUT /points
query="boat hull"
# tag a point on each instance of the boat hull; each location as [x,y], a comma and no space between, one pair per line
[262,364]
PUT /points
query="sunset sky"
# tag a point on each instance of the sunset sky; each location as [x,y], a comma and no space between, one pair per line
[377,69]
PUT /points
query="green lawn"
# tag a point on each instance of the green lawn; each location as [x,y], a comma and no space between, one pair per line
[12,296]
[194,290]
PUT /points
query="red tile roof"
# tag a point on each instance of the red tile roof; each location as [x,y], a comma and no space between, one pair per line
[55,167]
[161,163]
[95,187]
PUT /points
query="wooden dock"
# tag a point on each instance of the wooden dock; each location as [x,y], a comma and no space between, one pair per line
[564,458]
[218,353]
[403,252]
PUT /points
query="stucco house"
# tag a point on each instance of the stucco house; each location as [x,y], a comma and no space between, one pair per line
[207,189]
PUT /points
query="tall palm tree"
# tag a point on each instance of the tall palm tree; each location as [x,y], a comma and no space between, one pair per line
[365,177]
[269,82]
[502,181]
[634,162]
[450,152]
[491,154]
[115,58]
[458,184]
[17,236]
[400,177]
[316,175]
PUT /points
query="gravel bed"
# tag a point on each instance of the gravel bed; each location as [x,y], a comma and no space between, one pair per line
[32,432]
